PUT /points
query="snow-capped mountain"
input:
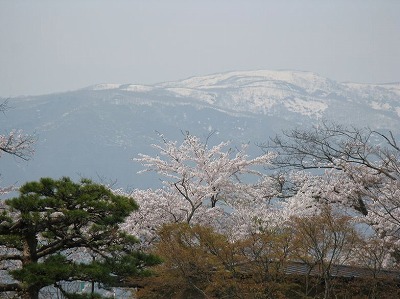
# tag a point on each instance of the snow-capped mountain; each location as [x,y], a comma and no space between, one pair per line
[260,91]
[94,132]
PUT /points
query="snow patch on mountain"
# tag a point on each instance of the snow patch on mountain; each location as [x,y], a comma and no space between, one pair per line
[380,105]
[205,96]
[393,87]
[310,108]
[137,88]
[105,86]
[260,91]
[307,81]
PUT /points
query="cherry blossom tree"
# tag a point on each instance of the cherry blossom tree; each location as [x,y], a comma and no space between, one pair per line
[18,144]
[15,143]
[201,184]
[350,167]
[323,185]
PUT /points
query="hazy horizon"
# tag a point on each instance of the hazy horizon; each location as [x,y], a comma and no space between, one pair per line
[49,46]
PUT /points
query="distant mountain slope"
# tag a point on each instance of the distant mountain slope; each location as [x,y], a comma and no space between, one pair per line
[96,131]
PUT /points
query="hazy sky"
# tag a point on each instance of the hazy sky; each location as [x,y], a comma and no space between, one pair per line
[49,46]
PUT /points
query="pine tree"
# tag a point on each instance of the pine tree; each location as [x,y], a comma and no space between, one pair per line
[59,231]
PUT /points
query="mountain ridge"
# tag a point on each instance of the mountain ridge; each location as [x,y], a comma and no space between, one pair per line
[257,86]
[97,130]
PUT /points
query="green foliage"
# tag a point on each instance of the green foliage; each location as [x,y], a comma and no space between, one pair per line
[133,264]
[66,231]
[53,269]
[11,241]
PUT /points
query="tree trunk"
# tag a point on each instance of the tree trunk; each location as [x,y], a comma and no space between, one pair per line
[29,256]
[32,293]
[327,286]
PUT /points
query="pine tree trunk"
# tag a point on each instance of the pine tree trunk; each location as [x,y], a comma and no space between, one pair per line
[30,294]
[34,294]
[29,256]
